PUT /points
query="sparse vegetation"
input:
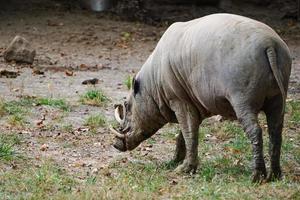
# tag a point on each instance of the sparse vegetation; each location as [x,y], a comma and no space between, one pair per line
[31,182]
[22,105]
[6,151]
[224,171]
[56,103]
[94,98]
[128,82]
[14,107]
[126,36]
[16,120]
[16,110]
[294,110]
[95,121]
[67,127]
[7,143]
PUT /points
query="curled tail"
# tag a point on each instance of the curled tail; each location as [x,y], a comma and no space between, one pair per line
[272,57]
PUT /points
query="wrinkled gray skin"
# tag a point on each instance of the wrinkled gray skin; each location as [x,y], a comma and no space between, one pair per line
[221,64]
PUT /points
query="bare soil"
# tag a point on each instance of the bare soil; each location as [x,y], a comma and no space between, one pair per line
[93,45]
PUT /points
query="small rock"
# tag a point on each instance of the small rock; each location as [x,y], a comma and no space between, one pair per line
[90,81]
[89,165]
[19,50]
[38,72]
[79,164]
[8,74]
[44,147]
[218,118]
[95,171]
[173,182]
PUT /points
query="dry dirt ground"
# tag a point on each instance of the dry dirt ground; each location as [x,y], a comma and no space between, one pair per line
[89,45]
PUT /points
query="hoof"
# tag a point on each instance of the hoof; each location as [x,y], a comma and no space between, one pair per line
[177,160]
[274,175]
[186,168]
[259,175]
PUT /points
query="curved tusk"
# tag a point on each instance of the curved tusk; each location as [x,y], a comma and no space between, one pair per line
[124,111]
[117,115]
[114,131]
[126,129]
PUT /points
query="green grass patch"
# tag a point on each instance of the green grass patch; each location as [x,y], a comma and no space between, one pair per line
[22,105]
[95,121]
[56,103]
[29,182]
[232,128]
[13,107]
[128,82]
[141,177]
[126,36]
[6,151]
[7,146]
[293,108]
[17,120]
[94,98]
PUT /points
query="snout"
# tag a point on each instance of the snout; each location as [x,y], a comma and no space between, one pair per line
[120,144]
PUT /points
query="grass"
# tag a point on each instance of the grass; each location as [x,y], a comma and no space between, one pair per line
[31,182]
[17,120]
[126,36]
[126,179]
[128,82]
[7,144]
[12,107]
[6,151]
[293,108]
[224,173]
[224,168]
[22,105]
[56,103]
[16,110]
[67,127]
[94,98]
[95,121]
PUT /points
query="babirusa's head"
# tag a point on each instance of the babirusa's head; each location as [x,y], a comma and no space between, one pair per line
[137,118]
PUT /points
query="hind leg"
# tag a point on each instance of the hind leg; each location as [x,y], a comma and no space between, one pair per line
[249,121]
[275,119]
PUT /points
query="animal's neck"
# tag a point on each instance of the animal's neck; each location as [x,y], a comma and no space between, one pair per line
[153,87]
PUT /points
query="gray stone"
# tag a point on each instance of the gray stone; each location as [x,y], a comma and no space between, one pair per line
[19,50]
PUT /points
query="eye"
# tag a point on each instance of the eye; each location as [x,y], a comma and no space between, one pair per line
[136,86]
[126,104]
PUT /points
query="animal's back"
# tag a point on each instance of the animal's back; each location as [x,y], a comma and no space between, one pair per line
[213,58]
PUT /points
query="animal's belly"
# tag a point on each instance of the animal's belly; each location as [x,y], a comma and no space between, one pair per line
[219,106]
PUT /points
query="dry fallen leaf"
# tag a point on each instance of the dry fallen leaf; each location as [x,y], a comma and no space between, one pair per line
[69,73]
[83,66]
[40,123]
[232,150]
[37,72]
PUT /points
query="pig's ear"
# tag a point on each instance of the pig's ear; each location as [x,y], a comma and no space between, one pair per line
[135,85]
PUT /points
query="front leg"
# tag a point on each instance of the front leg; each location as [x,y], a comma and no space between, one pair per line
[180,150]
[189,120]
